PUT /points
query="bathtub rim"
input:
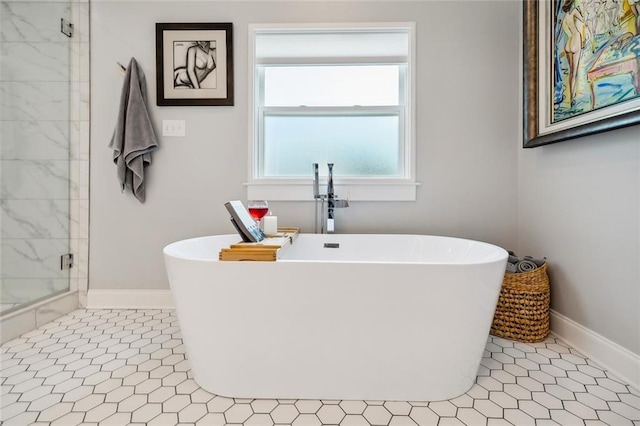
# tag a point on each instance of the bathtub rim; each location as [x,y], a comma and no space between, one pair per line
[499,255]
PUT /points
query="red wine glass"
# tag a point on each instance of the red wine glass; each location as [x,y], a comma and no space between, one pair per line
[258,209]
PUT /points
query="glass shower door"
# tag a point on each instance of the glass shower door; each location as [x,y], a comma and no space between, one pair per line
[35,154]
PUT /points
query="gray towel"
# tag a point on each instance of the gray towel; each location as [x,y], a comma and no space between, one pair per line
[513,259]
[133,138]
[512,268]
[538,262]
[526,266]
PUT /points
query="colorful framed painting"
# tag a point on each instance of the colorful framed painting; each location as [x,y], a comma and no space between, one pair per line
[194,64]
[581,68]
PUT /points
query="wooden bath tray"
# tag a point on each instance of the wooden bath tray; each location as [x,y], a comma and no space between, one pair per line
[267,250]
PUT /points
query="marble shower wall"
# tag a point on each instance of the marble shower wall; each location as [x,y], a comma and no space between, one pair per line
[44,129]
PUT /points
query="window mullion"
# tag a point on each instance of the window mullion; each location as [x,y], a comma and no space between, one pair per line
[333,111]
[258,145]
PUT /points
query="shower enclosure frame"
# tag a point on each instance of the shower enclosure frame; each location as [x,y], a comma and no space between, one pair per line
[31,315]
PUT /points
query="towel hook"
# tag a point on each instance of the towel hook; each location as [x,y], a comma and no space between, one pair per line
[122,68]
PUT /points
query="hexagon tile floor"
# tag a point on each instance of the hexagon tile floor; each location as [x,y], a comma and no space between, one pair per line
[119,367]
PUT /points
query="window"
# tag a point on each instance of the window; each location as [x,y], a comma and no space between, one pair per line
[339,94]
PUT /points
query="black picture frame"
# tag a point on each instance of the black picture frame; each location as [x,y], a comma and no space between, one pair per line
[194,64]
[532,108]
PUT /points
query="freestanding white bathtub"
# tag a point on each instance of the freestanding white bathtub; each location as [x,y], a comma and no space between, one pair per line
[382,317]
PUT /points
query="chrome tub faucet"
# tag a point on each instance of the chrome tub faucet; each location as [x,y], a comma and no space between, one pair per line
[332,201]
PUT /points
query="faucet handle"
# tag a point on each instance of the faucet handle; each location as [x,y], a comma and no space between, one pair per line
[337,203]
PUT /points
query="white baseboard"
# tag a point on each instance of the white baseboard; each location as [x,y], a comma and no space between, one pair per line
[612,357]
[14,324]
[130,299]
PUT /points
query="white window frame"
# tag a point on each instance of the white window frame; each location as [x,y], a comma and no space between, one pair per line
[402,188]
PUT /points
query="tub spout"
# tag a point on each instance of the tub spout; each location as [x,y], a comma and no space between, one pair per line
[332,202]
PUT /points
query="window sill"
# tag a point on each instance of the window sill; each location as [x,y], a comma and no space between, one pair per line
[302,190]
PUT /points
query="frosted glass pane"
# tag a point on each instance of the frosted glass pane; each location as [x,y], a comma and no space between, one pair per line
[374,85]
[358,145]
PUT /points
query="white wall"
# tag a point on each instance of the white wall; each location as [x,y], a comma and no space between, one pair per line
[579,205]
[467,82]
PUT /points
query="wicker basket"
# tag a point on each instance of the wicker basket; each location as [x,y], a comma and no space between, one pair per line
[522,313]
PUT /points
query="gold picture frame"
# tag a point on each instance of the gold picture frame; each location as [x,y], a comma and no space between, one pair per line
[561,103]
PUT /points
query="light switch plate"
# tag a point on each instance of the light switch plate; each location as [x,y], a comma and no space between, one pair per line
[173,128]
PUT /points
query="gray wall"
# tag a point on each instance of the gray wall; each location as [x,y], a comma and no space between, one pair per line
[579,206]
[467,99]
[575,202]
